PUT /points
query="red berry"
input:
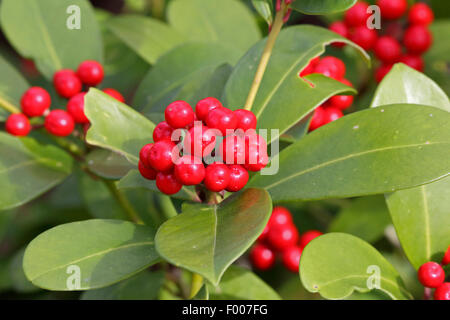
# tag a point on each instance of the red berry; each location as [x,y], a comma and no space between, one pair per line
[291,258]
[310,67]
[200,140]
[217,177]
[387,49]
[413,61]
[364,37]
[340,28]
[161,154]
[331,67]
[417,39]
[75,107]
[90,72]
[144,154]
[59,123]
[17,124]
[147,172]
[283,237]
[392,9]
[245,119]
[446,258]
[420,13]
[35,101]
[179,114]
[382,71]
[232,150]
[306,237]
[442,292]
[263,236]
[204,106]
[341,102]
[162,131]
[332,114]
[357,15]
[189,170]
[66,82]
[167,183]
[280,217]
[222,119]
[431,274]
[256,156]
[261,257]
[318,118]
[238,178]
[115,94]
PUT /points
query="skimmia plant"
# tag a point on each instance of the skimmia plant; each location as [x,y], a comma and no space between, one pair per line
[187,134]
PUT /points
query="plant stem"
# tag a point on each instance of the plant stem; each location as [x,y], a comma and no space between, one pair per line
[196,284]
[8,106]
[123,202]
[166,206]
[267,52]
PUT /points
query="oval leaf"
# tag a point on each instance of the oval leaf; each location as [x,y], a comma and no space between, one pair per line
[316,7]
[336,264]
[207,239]
[103,251]
[264,8]
[108,164]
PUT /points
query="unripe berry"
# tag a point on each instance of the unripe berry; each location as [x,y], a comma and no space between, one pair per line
[442,292]
[413,61]
[382,71]
[217,177]
[280,217]
[162,131]
[357,15]
[206,105]
[222,119]
[189,170]
[66,82]
[35,101]
[90,72]
[417,39]
[431,274]
[387,49]
[144,154]
[17,124]
[392,9]
[331,67]
[75,107]
[167,183]
[59,123]
[283,237]
[364,37]
[245,119]
[340,28]
[115,94]
[238,178]
[291,258]
[147,172]
[261,257]
[420,13]
[160,156]
[179,114]
[309,235]
[318,119]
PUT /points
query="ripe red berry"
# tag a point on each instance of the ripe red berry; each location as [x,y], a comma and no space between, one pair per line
[417,39]
[232,150]
[342,102]
[204,106]
[291,258]
[340,28]
[144,154]
[364,37]
[59,123]
[17,124]
[75,107]
[420,13]
[115,94]
[238,178]
[446,258]
[257,160]
[162,131]
[431,274]
[161,154]
[306,237]
[35,101]
[392,9]
[331,67]
[167,183]
[189,170]
[442,292]
[332,114]
[66,82]
[280,217]
[263,236]
[261,257]
[256,156]
[200,140]
[382,71]
[310,67]
[90,72]
[414,61]
[283,237]
[318,118]
[387,49]
[217,177]
[357,15]
[179,114]
[147,172]
[245,119]
[222,119]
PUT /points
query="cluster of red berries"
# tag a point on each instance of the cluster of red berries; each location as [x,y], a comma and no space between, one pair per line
[36,101]
[280,236]
[432,275]
[387,44]
[183,151]
[332,109]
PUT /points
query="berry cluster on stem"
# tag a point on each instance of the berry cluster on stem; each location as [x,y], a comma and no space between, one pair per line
[432,275]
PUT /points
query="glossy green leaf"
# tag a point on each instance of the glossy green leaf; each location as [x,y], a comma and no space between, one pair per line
[108,164]
[322,7]
[368,152]
[115,126]
[241,284]
[207,239]
[365,218]
[337,264]
[228,22]
[105,251]
[202,294]
[28,169]
[264,8]
[150,38]
[282,88]
[40,30]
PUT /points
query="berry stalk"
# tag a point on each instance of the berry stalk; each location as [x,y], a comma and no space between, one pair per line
[8,106]
[196,284]
[123,202]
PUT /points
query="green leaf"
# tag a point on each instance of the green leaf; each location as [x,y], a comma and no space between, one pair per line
[202,294]
[241,284]
[264,8]
[115,126]
[368,152]
[149,37]
[336,264]
[420,215]
[39,30]
[322,7]
[282,88]
[143,286]
[228,22]
[28,169]
[108,164]
[106,251]
[365,218]
[12,87]
[207,239]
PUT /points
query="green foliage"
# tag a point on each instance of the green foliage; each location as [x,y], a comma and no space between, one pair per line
[318,7]
[264,8]
[108,164]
